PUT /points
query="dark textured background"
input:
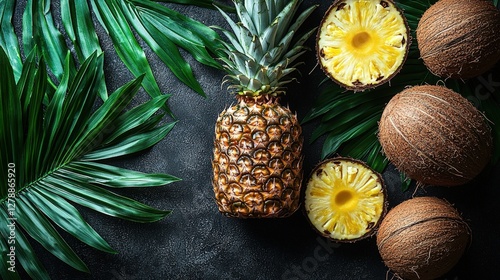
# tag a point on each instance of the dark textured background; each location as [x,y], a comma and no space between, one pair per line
[196,242]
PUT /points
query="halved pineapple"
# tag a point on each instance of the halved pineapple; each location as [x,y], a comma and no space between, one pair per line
[345,199]
[362,43]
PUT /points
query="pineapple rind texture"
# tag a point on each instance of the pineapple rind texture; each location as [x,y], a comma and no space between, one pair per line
[344,199]
[362,43]
[257,160]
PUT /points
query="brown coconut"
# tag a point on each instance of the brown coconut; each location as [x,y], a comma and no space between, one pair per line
[422,238]
[435,136]
[459,38]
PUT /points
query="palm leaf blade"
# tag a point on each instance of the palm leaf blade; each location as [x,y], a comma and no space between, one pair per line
[137,119]
[24,252]
[10,117]
[131,145]
[65,127]
[126,46]
[81,95]
[337,111]
[78,24]
[189,34]
[8,38]
[38,227]
[67,217]
[116,177]
[35,115]
[104,116]
[164,48]
[100,200]
[209,4]
[45,36]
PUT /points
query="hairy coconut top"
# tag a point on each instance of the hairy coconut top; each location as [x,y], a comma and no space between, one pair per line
[460,38]
[435,136]
[422,238]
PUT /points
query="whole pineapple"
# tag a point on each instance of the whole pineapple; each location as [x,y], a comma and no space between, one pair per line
[258,158]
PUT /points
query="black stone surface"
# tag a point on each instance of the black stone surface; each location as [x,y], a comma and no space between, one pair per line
[196,242]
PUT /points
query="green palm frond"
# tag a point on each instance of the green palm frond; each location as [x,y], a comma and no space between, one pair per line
[349,121]
[209,4]
[163,29]
[8,37]
[49,153]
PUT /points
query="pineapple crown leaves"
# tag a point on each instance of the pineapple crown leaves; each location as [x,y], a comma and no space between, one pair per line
[260,48]
[52,140]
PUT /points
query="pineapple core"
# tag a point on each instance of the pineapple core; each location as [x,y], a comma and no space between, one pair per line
[362,43]
[344,199]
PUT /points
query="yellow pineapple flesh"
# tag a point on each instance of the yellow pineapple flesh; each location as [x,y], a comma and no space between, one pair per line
[345,199]
[257,159]
[362,43]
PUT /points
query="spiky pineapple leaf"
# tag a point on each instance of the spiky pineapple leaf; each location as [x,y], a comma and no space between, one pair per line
[257,55]
[50,147]
[348,121]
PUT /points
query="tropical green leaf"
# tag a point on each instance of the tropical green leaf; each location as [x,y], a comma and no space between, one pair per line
[24,252]
[44,34]
[209,4]
[78,25]
[137,119]
[165,30]
[131,144]
[105,115]
[67,217]
[6,270]
[99,199]
[8,38]
[46,141]
[10,116]
[405,181]
[166,50]
[34,113]
[126,46]
[193,36]
[40,229]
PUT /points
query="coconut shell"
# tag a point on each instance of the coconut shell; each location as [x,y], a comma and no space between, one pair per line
[422,238]
[435,136]
[459,38]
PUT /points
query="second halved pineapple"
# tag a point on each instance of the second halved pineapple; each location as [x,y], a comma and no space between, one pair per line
[257,161]
[345,199]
